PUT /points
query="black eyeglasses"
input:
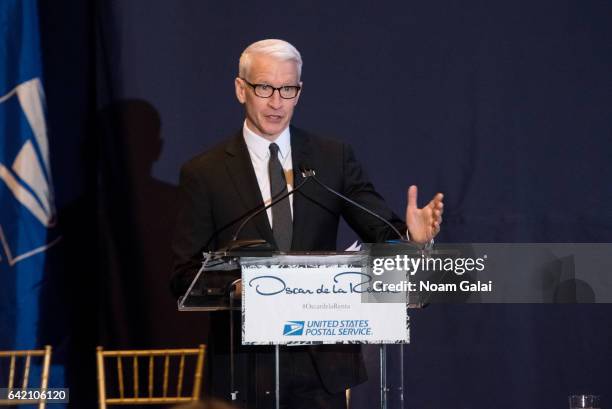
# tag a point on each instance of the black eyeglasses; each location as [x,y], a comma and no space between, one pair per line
[266,91]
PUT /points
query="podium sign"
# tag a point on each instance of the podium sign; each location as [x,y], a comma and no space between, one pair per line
[308,299]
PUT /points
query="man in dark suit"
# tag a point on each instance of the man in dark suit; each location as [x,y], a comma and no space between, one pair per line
[220,187]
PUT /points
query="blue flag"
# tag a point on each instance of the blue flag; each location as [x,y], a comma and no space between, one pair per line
[27,209]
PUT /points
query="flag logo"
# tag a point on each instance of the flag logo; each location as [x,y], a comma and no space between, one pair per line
[25,175]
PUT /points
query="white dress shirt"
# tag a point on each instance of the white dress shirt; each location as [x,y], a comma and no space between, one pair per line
[259,151]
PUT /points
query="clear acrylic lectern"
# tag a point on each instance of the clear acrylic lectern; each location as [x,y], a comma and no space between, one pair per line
[213,290]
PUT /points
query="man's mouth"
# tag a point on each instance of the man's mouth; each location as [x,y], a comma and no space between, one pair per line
[274,118]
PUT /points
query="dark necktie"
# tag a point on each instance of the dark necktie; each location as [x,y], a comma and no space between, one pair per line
[282,225]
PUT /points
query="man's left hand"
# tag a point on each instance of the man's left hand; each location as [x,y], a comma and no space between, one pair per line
[423,224]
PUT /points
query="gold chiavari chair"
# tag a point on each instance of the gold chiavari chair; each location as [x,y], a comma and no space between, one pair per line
[170,359]
[14,358]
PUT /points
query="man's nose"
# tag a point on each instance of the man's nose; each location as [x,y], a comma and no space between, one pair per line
[275,101]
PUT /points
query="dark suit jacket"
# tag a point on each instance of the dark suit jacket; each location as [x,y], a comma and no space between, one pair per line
[218,188]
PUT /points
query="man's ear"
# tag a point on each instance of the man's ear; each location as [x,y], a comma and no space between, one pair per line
[299,93]
[240,90]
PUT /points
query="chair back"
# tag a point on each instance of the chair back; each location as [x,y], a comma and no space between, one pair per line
[19,370]
[134,372]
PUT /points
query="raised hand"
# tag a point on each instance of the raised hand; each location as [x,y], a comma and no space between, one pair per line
[423,224]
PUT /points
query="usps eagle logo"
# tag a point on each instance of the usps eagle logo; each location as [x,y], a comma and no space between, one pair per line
[293,328]
[27,209]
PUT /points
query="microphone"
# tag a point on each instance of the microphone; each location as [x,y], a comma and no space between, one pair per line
[307,174]
[305,169]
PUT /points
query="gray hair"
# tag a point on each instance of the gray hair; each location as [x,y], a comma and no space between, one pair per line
[279,49]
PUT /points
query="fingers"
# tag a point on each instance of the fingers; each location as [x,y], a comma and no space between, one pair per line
[412,196]
[437,208]
[437,201]
[425,222]
[436,221]
[437,205]
[437,216]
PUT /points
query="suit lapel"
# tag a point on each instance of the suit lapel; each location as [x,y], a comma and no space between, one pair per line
[240,169]
[301,154]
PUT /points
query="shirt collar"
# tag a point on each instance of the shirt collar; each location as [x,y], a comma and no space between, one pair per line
[260,146]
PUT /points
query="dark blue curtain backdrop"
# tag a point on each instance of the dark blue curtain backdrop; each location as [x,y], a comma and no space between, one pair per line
[69,310]
[504,106]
